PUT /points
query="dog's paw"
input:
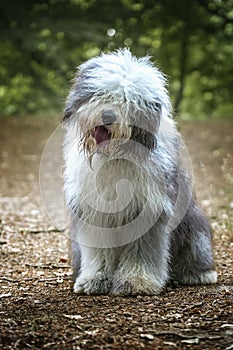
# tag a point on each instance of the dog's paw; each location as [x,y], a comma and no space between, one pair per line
[94,285]
[135,286]
[206,277]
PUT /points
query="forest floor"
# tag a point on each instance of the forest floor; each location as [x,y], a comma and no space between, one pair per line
[38,309]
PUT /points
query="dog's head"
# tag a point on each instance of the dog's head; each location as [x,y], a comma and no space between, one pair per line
[115,98]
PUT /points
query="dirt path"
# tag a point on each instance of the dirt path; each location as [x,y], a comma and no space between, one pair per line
[38,309]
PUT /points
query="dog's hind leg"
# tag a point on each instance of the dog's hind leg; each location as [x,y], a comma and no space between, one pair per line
[191,250]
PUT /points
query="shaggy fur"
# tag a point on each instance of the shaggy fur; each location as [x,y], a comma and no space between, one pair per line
[134,222]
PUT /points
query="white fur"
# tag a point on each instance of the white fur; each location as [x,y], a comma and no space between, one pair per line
[125,180]
[206,277]
[123,76]
[119,202]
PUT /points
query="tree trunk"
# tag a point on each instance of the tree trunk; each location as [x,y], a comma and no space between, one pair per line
[184,48]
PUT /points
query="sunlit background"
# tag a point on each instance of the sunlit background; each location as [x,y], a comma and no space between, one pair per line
[43,41]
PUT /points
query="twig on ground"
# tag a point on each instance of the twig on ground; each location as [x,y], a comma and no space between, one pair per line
[36,231]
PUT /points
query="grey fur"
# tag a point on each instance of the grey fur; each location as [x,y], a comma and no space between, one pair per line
[146,263]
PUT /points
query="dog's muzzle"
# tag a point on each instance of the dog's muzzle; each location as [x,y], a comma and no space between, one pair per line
[102,133]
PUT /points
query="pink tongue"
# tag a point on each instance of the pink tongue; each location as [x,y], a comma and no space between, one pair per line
[101,134]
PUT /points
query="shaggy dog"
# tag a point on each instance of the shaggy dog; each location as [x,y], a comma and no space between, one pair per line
[134,223]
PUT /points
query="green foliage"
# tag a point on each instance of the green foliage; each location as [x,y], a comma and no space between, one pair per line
[43,41]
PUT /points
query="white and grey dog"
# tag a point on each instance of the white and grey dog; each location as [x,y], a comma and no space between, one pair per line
[134,223]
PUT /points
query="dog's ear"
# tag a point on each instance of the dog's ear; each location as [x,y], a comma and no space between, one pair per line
[71,102]
[67,114]
[81,91]
[74,103]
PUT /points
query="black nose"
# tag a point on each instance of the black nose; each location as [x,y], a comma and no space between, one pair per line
[108,117]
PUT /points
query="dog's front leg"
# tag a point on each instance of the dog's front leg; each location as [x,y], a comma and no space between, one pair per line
[143,266]
[96,270]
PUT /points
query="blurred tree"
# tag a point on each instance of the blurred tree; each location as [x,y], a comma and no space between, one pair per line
[43,41]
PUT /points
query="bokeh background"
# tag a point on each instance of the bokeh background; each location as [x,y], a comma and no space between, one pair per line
[43,41]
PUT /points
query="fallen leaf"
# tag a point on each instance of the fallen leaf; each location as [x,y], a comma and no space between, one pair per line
[191,341]
[147,336]
[92,332]
[73,317]
[169,343]
[5,295]
[226,325]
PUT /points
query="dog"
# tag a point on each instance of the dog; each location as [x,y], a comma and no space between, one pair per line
[135,224]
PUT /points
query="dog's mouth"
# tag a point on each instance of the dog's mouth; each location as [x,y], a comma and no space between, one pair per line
[102,136]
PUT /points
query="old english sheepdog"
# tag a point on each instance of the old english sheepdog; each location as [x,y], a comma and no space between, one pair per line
[134,222]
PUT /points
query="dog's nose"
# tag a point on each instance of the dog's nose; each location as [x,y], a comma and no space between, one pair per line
[108,117]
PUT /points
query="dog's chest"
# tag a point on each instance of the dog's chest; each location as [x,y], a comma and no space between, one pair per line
[115,192]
